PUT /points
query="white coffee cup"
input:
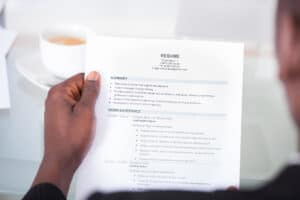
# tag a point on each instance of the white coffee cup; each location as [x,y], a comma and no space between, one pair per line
[63,60]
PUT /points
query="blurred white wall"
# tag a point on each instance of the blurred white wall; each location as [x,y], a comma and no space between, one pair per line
[244,20]
[117,17]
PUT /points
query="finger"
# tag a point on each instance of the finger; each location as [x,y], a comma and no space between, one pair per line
[62,97]
[90,90]
[76,80]
[73,86]
[232,189]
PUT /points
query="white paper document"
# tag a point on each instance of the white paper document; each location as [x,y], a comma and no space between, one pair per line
[4,100]
[168,116]
[6,40]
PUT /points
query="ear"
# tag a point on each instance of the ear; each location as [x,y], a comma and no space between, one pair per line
[288,46]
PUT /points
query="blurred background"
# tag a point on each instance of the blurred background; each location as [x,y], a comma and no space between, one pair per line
[268,134]
[250,20]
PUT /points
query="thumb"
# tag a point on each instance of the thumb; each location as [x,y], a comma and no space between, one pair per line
[90,90]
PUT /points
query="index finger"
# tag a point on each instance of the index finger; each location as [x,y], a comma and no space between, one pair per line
[73,86]
[75,81]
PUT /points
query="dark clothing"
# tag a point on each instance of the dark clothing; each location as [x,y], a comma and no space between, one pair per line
[285,187]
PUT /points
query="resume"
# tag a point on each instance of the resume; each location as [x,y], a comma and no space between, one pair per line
[168,115]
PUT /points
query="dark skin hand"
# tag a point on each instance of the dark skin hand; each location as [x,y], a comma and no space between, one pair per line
[69,129]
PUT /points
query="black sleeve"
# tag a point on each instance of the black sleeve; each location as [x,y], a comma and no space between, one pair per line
[153,195]
[44,191]
[47,191]
[177,195]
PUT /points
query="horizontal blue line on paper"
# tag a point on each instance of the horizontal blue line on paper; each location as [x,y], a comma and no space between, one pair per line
[208,82]
[185,113]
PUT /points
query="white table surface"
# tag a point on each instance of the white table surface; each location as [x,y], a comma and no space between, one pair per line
[268,135]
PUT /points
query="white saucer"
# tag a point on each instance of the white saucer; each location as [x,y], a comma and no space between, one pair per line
[31,67]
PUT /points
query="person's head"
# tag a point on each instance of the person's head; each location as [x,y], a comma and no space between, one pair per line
[288,52]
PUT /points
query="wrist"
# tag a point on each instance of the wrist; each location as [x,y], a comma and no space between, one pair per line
[61,162]
[55,172]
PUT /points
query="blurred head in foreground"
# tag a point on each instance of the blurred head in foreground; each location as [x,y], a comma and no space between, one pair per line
[288,52]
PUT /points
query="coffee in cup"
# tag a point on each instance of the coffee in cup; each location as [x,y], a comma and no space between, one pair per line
[63,49]
[67,40]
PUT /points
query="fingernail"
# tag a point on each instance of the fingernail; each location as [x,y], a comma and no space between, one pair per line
[93,76]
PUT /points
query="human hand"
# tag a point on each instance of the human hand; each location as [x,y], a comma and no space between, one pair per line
[69,128]
[232,189]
